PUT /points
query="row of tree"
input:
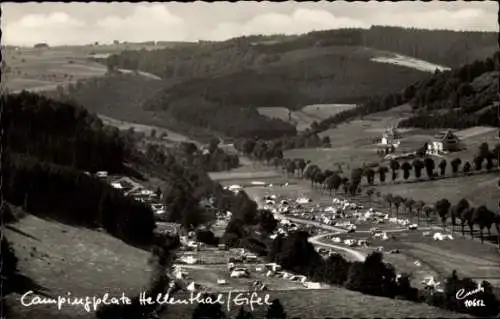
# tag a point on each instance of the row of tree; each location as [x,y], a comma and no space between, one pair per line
[272,151]
[462,213]
[332,179]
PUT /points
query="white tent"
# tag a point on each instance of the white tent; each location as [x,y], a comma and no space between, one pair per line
[191,286]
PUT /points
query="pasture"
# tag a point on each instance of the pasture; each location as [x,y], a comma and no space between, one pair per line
[32,68]
[409,62]
[478,189]
[146,129]
[469,257]
[304,117]
[328,303]
[58,259]
[46,68]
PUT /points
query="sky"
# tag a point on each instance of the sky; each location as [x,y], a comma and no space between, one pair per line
[85,23]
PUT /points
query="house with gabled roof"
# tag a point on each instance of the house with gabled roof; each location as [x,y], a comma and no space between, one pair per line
[444,142]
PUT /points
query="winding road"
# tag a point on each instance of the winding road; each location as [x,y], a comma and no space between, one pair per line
[315,240]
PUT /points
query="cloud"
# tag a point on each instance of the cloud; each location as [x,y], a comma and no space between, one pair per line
[87,23]
[146,23]
[461,19]
[154,22]
[33,28]
[300,21]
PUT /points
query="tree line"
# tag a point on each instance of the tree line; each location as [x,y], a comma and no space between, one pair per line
[271,152]
[461,214]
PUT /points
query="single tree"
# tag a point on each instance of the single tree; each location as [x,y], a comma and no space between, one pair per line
[417,167]
[478,162]
[389,199]
[442,167]
[458,211]
[382,171]
[406,167]
[467,217]
[397,201]
[419,206]
[276,310]
[442,207]
[243,314]
[409,204]
[394,165]
[455,165]
[429,167]
[467,167]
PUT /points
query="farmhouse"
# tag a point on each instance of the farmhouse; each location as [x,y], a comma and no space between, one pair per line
[443,143]
[390,137]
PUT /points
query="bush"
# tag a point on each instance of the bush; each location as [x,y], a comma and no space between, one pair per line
[207,237]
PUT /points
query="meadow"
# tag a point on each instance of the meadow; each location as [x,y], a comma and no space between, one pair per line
[330,303]
[57,259]
[304,117]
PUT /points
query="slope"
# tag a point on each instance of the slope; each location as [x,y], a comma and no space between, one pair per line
[59,259]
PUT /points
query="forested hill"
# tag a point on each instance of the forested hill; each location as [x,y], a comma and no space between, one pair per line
[49,145]
[449,48]
[459,98]
[218,85]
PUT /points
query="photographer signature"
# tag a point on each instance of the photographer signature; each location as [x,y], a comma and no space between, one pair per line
[462,294]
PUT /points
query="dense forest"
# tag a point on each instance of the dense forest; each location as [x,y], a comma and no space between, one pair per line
[60,133]
[459,98]
[48,146]
[133,97]
[46,163]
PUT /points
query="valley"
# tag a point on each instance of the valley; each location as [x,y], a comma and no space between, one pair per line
[300,168]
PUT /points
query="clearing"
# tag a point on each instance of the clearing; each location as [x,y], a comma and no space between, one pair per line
[398,59]
[304,117]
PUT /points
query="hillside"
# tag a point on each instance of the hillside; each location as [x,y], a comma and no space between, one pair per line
[58,258]
[448,48]
[459,98]
[216,85]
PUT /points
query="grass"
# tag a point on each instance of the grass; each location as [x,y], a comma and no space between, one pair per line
[61,259]
[478,189]
[304,117]
[32,68]
[330,303]
[483,192]
[146,129]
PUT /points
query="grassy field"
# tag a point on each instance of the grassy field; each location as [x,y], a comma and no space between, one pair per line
[352,143]
[61,259]
[35,68]
[304,117]
[329,303]
[478,189]
[146,129]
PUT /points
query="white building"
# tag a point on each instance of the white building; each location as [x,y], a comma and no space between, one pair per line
[443,143]
[390,137]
